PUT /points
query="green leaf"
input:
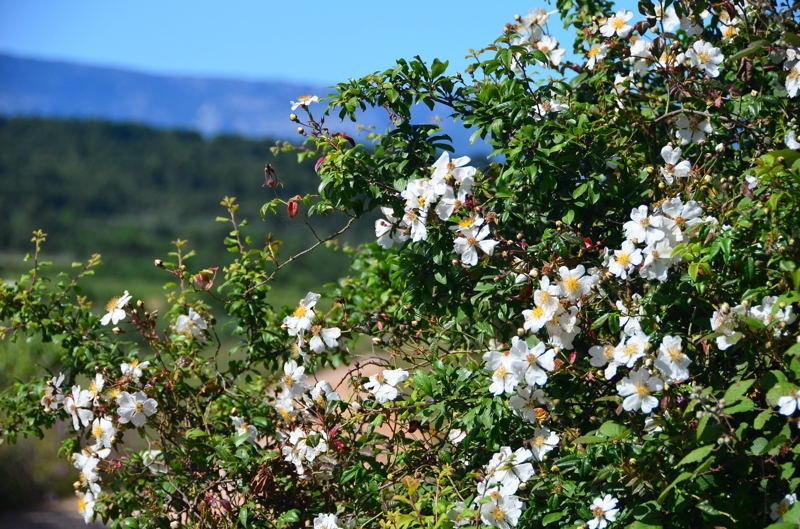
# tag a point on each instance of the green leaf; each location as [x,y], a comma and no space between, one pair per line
[196,433]
[737,390]
[552,517]
[696,455]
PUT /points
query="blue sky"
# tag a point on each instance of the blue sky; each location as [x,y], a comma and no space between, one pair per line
[313,41]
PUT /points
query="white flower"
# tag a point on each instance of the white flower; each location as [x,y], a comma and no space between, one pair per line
[154,461]
[672,361]
[534,360]
[96,386]
[675,167]
[293,378]
[322,393]
[134,369]
[793,80]
[790,403]
[618,23]
[304,101]
[604,510]
[506,471]
[415,219]
[668,16]
[390,230]
[507,368]
[624,260]
[326,521]
[637,388]
[574,283]
[115,309]
[658,259]
[631,349]
[643,228]
[456,435]
[527,402]
[459,514]
[300,320]
[304,448]
[602,355]
[322,338]
[705,57]
[724,322]
[384,385]
[53,396]
[596,54]
[244,430]
[135,408]
[543,441]
[77,404]
[768,314]
[103,432]
[191,325]
[692,130]
[777,510]
[455,170]
[86,503]
[502,512]
[549,46]
[790,139]
[472,239]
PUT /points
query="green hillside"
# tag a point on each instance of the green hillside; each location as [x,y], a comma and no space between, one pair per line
[126,191]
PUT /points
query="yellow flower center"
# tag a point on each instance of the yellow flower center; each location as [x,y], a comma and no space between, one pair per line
[97,431]
[675,354]
[624,259]
[498,513]
[571,284]
[112,303]
[642,390]
[300,311]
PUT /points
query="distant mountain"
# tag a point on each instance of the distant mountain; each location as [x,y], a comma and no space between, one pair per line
[53,89]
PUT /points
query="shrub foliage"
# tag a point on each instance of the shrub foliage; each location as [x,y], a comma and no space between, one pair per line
[594,325]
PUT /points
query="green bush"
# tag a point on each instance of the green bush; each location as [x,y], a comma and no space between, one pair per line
[593,326]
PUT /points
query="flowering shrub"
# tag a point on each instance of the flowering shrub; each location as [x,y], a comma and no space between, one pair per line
[596,326]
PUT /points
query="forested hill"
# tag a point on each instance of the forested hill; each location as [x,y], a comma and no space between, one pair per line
[126,191]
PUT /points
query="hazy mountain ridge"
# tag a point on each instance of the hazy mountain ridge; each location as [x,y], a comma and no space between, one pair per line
[255,109]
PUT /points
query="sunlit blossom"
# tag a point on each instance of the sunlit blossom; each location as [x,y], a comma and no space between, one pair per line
[304,101]
[617,24]
[115,309]
[383,385]
[705,57]
[604,509]
[637,388]
[135,408]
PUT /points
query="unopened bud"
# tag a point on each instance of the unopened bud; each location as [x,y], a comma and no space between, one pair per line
[301,131]
[158,263]
[293,117]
